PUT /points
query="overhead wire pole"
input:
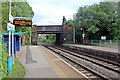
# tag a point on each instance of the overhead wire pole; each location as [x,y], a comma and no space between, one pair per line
[74,34]
[74,30]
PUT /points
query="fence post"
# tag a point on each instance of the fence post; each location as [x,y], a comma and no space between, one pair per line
[100,43]
[110,43]
[91,42]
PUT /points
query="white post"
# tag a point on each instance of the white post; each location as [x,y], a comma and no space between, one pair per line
[83,36]
[74,17]
[100,43]
[10,31]
[9,44]
[13,45]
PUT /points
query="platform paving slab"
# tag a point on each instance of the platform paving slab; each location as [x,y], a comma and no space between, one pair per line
[44,64]
[40,68]
[61,68]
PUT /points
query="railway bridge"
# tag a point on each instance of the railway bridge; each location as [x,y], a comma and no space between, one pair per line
[48,29]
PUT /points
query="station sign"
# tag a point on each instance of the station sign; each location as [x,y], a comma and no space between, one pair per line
[22,22]
[10,27]
[103,37]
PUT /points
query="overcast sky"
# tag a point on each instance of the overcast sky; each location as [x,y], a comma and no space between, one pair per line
[51,12]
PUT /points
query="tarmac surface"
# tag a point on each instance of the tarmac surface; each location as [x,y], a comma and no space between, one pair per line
[39,62]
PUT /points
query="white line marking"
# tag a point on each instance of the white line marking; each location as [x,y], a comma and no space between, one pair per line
[67,63]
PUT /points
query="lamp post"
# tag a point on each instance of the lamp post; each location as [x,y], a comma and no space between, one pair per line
[74,34]
[83,34]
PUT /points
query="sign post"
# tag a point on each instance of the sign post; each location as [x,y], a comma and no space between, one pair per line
[9,44]
[74,17]
[10,28]
[83,34]
[13,45]
[103,38]
[9,56]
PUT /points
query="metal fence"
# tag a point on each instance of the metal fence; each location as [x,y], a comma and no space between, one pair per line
[102,42]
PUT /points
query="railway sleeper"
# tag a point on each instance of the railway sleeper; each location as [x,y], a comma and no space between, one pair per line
[99,71]
[94,67]
[101,62]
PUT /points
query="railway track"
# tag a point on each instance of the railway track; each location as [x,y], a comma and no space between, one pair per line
[91,67]
[109,57]
[104,63]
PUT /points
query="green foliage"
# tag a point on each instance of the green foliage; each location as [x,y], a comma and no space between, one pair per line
[50,38]
[69,23]
[27,31]
[22,9]
[93,29]
[18,71]
[100,20]
[3,62]
[19,9]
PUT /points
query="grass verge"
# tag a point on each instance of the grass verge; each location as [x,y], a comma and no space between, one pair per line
[18,71]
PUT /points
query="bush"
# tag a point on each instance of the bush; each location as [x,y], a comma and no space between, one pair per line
[3,62]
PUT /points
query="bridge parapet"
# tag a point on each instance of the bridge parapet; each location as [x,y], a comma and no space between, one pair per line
[48,28]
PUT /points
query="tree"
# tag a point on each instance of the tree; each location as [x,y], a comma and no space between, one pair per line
[100,20]
[19,9]
[50,38]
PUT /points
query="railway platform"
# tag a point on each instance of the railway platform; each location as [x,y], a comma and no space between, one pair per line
[107,49]
[39,62]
